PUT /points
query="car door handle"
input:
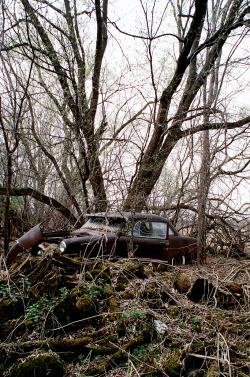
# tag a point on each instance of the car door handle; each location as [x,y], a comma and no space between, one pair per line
[166,243]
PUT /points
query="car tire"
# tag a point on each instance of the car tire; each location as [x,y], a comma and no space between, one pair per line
[178,260]
[34,250]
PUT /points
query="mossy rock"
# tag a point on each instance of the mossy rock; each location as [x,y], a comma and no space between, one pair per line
[121,283]
[18,328]
[120,287]
[198,347]
[174,312]
[213,371]
[156,295]
[46,364]
[98,273]
[10,311]
[239,373]
[85,304]
[136,270]
[172,366]
[128,295]
[76,305]
[11,308]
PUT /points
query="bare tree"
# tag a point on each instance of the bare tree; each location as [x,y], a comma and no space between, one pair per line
[168,129]
[76,109]
[11,114]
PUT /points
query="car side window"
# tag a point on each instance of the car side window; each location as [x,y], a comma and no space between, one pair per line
[141,229]
[149,229]
[159,230]
[170,231]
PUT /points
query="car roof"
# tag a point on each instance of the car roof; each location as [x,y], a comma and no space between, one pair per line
[129,215]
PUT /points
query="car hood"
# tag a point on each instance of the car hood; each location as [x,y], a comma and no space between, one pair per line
[91,232]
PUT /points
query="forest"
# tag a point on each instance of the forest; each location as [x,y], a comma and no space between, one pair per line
[137,106]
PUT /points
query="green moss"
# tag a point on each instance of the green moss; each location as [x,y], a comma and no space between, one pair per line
[213,371]
[99,273]
[174,312]
[135,271]
[121,283]
[197,346]
[112,303]
[119,356]
[120,287]
[128,295]
[11,308]
[112,338]
[76,305]
[102,350]
[239,373]
[85,304]
[172,366]
[38,365]
[107,289]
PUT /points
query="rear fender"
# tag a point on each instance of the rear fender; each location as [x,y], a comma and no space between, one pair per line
[29,239]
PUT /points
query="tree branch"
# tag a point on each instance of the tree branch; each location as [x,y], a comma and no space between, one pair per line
[27,191]
[216,126]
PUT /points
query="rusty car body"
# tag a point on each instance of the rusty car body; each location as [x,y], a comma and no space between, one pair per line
[143,236]
[146,237]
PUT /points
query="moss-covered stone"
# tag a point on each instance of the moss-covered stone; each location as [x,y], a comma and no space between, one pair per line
[172,366]
[174,312]
[102,272]
[239,373]
[121,283]
[135,270]
[11,308]
[197,346]
[128,295]
[38,365]
[76,305]
[84,304]
[213,371]
[183,281]
[17,328]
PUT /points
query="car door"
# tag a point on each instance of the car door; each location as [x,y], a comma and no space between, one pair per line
[177,247]
[149,240]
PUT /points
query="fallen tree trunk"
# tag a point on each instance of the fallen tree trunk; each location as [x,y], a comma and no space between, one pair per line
[122,353]
[225,294]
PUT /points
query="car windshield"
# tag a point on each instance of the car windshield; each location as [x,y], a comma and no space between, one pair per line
[104,223]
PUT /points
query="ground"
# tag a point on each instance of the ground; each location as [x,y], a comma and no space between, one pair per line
[123,318]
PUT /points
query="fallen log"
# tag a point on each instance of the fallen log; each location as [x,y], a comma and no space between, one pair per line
[121,354]
[65,347]
[200,290]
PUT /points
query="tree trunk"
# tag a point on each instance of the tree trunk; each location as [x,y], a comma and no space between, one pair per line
[204,185]
[7,204]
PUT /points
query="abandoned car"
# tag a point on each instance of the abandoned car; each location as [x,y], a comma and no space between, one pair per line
[122,235]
